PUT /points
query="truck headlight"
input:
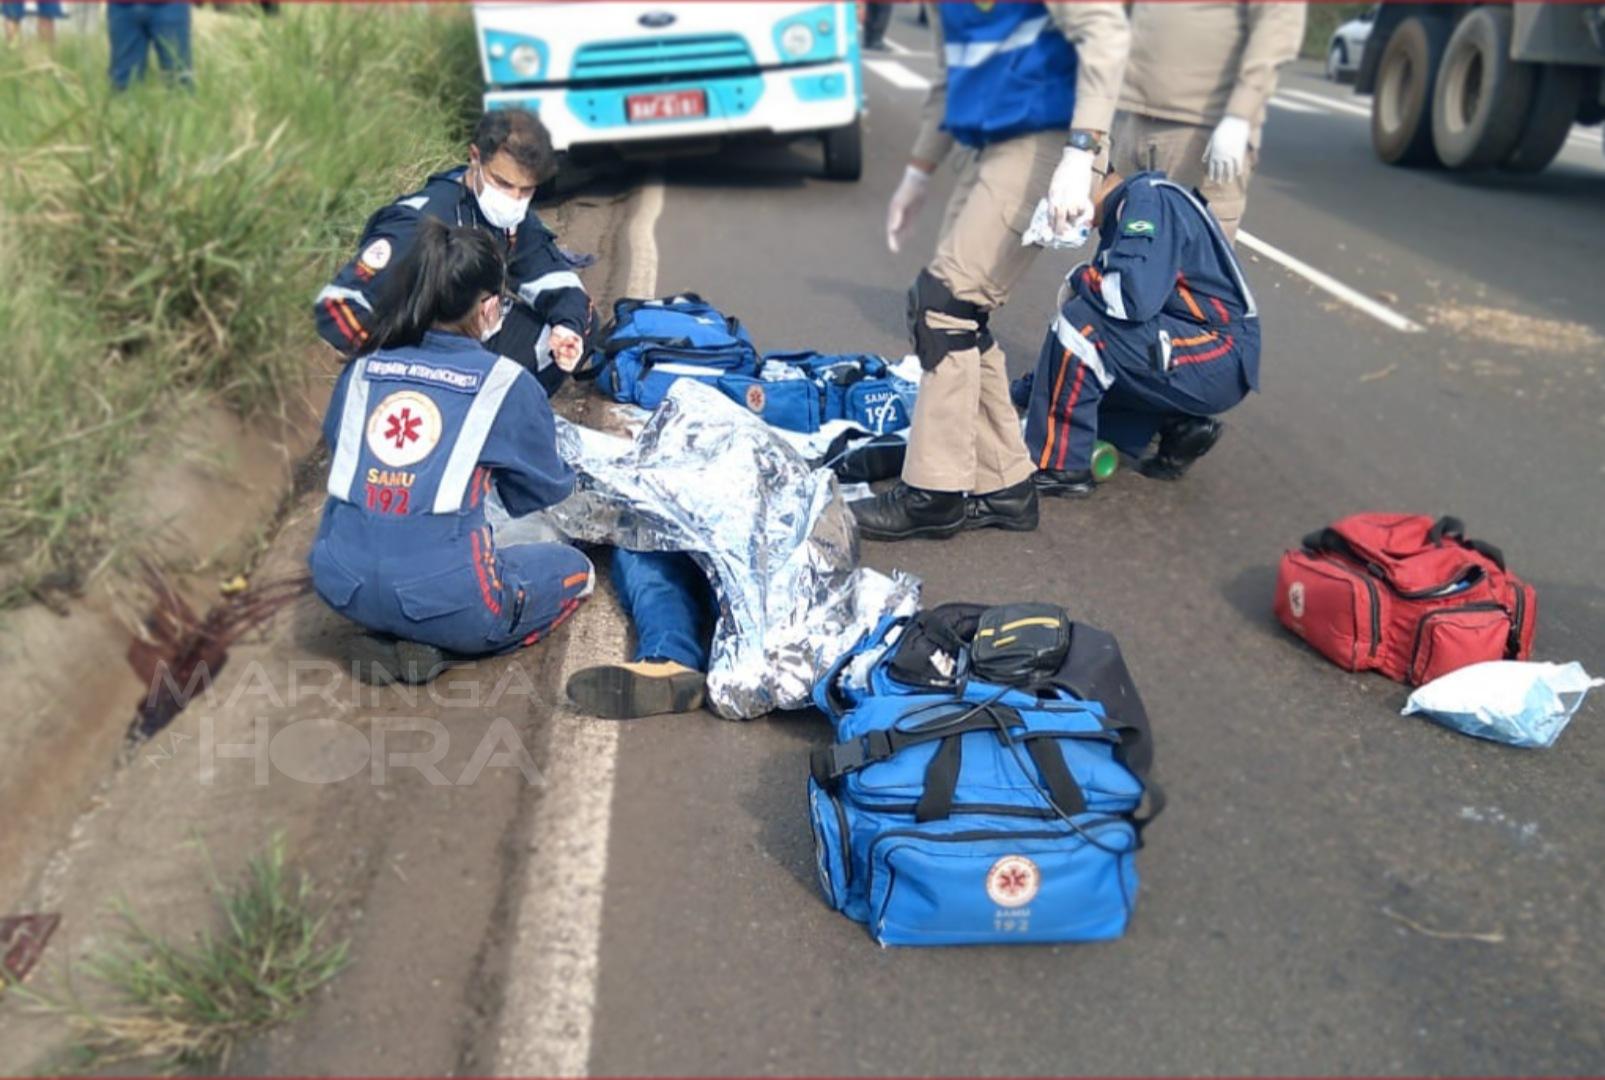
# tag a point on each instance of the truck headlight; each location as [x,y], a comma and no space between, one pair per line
[797,40]
[526,60]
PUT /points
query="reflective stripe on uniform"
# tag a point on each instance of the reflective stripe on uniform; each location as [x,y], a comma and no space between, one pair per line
[348,444]
[1085,351]
[557,279]
[543,351]
[1251,310]
[1112,299]
[971,53]
[340,292]
[471,436]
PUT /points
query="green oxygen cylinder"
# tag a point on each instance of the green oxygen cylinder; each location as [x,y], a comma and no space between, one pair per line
[1105,460]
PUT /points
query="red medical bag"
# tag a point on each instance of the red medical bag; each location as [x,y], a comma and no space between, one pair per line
[1406,596]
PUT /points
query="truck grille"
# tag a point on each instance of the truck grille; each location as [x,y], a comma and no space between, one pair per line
[668,56]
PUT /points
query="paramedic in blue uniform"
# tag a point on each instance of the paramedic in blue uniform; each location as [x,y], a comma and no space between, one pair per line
[1158,334]
[550,321]
[1028,90]
[424,423]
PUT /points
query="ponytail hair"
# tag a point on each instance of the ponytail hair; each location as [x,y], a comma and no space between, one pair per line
[440,279]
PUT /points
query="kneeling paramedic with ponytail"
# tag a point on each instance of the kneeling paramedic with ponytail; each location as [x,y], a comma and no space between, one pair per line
[1029,89]
[1158,334]
[550,324]
[422,425]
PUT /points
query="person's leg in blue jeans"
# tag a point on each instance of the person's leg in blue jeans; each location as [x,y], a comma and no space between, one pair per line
[671,603]
[168,27]
[126,29]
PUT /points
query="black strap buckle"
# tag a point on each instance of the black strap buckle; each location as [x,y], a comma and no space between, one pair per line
[830,763]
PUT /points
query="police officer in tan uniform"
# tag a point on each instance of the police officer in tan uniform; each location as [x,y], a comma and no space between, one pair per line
[1193,103]
[1029,91]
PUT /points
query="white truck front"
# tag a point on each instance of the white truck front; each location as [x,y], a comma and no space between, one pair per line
[621,73]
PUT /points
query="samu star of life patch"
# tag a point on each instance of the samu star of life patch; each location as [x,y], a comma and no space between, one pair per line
[404,429]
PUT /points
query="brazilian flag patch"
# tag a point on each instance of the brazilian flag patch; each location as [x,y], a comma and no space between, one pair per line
[1140,227]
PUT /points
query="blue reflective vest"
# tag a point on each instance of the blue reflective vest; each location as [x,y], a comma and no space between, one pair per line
[1009,72]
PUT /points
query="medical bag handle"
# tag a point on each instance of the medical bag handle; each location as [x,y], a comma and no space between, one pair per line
[1454,529]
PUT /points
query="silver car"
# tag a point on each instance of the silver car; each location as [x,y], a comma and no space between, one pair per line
[1344,51]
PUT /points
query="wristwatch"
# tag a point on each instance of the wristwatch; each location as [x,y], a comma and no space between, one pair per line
[1085,140]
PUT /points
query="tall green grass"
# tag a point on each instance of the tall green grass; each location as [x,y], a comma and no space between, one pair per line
[162,244]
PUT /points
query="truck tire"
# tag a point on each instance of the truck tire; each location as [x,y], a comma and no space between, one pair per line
[1401,109]
[844,151]
[1549,119]
[1480,102]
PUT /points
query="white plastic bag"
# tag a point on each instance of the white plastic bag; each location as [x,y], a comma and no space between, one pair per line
[1040,232]
[1509,701]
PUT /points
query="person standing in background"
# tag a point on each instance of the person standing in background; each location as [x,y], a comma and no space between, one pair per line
[47,12]
[1029,91]
[1193,103]
[134,29]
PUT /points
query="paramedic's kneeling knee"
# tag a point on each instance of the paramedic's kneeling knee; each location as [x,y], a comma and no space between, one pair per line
[940,323]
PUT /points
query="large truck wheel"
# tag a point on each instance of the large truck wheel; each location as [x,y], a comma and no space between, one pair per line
[1401,109]
[1479,105]
[1549,119]
[844,151]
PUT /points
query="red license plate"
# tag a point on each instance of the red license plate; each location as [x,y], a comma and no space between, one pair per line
[673,105]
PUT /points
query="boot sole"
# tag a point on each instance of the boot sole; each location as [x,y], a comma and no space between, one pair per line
[921,532]
[1007,524]
[1063,492]
[617,693]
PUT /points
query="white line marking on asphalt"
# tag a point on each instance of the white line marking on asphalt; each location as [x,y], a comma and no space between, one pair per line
[549,1004]
[643,235]
[898,75]
[1378,311]
[1292,106]
[1326,102]
[896,47]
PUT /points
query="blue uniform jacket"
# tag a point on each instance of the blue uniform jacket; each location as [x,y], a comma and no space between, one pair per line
[1163,264]
[418,436]
[542,276]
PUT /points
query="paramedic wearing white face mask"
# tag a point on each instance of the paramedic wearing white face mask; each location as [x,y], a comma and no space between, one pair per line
[548,321]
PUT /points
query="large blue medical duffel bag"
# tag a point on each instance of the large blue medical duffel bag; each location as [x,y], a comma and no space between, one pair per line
[801,391]
[956,811]
[652,343]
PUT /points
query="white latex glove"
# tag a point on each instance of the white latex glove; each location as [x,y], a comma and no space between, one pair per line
[1228,146]
[566,347]
[1070,192]
[905,206]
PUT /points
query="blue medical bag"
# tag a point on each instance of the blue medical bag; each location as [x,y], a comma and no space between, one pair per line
[855,387]
[651,343]
[951,811]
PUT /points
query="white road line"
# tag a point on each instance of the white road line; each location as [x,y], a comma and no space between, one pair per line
[1378,311]
[643,280]
[902,50]
[1325,102]
[549,1003]
[1292,106]
[898,75]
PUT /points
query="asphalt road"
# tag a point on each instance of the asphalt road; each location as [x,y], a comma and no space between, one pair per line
[1334,888]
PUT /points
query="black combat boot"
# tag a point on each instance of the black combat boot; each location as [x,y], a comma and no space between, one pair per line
[381,660]
[903,513]
[1182,441]
[1072,484]
[1011,508]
